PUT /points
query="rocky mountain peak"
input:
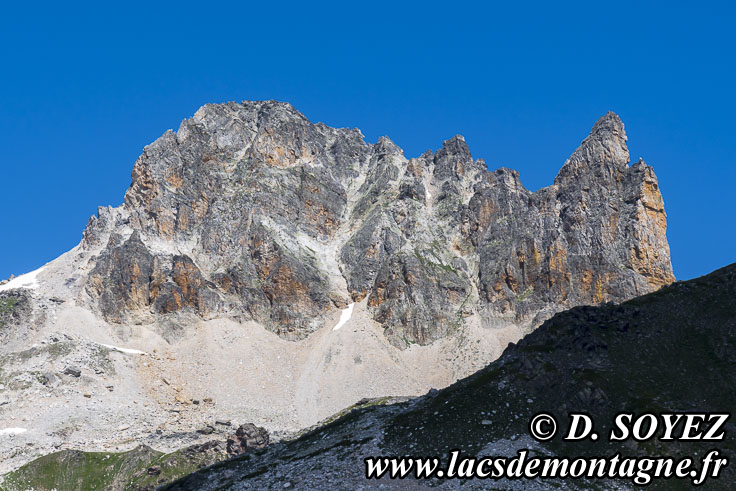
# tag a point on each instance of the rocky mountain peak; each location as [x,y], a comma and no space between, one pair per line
[386,146]
[602,154]
[453,158]
[609,123]
[250,211]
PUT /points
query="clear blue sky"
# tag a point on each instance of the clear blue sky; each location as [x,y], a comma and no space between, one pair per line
[84,89]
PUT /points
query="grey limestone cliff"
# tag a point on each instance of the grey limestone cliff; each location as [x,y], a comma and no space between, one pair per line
[251,211]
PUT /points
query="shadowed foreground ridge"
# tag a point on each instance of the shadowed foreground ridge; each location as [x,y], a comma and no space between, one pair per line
[673,350]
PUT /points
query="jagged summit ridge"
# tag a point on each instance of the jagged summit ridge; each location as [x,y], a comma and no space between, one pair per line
[250,211]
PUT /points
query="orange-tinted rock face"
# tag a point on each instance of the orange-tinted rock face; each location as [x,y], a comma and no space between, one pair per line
[283,221]
[649,255]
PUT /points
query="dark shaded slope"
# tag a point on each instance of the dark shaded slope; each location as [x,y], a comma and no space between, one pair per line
[672,350]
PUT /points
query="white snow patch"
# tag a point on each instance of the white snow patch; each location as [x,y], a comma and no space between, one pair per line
[345,316]
[124,350]
[27,280]
[12,431]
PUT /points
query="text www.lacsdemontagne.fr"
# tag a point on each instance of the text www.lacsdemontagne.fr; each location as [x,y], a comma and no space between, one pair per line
[639,470]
